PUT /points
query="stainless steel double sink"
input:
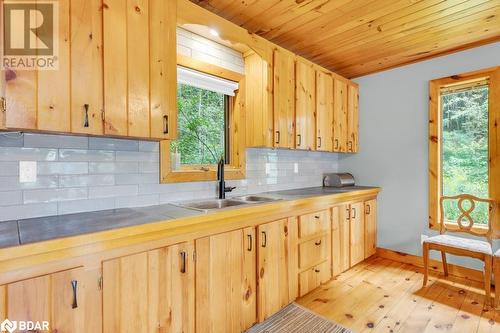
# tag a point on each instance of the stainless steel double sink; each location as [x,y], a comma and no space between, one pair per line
[216,204]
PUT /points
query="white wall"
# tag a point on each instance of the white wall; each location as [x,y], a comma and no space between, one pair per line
[393,149]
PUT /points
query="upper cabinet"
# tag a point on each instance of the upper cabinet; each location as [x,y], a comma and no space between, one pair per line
[116,73]
[340,116]
[305,104]
[352,117]
[324,111]
[284,98]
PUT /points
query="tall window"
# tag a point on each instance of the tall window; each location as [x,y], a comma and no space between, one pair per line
[464,143]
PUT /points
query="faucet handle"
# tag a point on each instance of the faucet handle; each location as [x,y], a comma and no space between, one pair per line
[229,188]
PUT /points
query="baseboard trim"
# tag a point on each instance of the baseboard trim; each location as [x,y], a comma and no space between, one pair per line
[434,265]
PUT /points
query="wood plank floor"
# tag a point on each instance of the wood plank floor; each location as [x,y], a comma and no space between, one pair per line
[380,295]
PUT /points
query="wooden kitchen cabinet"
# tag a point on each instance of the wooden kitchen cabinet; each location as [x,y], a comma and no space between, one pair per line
[352,117]
[305,104]
[357,231]
[140,68]
[69,300]
[370,227]
[340,239]
[284,98]
[276,266]
[150,291]
[226,282]
[339,116]
[324,111]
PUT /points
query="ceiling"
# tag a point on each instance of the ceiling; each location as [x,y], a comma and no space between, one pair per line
[358,37]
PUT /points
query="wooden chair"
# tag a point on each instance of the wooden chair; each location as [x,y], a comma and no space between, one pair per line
[461,246]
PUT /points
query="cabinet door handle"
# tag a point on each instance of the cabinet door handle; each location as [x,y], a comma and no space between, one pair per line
[86,117]
[183,260]
[348,213]
[316,217]
[319,142]
[264,239]
[350,145]
[318,243]
[74,285]
[368,209]
[165,124]
[278,137]
[249,243]
[336,144]
[354,213]
[300,140]
[317,270]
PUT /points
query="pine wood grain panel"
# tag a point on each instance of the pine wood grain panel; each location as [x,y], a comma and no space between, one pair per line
[225,283]
[370,227]
[352,117]
[29,299]
[313,251]
[115,67]
[284,98]
[314,223]
[305,105]
[259,107]
[340,116]
[341,260]
[313,277]
[322,30]
[86,66]
[54,85]
[357,222]
[21,99]
[163,69]
[138,68]
[324,111]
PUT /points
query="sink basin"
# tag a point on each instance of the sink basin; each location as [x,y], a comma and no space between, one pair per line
[212,204]
[254,199]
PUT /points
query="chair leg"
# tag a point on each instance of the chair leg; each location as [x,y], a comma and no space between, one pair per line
[445,264]
[488,260]
[425,254]
[496,275]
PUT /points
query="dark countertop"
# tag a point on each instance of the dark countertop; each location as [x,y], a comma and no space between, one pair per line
[13,233]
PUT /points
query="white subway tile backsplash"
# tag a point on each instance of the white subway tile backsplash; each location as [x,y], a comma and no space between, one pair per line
[113,191]
[137,201]
[9,168]
[55,195]
[12,183]
[62,168]
[86,180]
[11,198]
[113,144]
[55,141]
[11,140]
[28,154]
[79,206]
[149,146]
[132,156]
[78,155]
[27,211]
[113,167]
[148,178]
[149,167]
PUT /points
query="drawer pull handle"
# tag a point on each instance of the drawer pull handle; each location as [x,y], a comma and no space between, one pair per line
[264,239]
[316,217]
[317,270]
[249,243]
[318,243]
[74,285]
[183,258]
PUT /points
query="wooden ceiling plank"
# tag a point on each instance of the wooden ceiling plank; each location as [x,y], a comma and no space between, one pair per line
[387,44]
[345,23]
[435,45]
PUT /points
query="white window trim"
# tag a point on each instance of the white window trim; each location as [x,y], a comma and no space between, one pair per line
[206,81]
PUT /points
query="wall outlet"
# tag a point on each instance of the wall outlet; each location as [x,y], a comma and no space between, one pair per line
[27,171]
[422,238]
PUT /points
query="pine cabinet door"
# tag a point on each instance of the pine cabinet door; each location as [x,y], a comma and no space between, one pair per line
[226,282]
[324,111]
[277,266]
[352,117]
[70,301]
[339,116]
[284,98]
[370,227]
[305,105]
[357,217]
[150,291]
[340,239]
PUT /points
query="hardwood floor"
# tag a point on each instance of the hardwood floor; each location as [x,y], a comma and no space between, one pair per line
[381,295]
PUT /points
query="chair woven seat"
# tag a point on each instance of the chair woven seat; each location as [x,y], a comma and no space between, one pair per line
[461,243]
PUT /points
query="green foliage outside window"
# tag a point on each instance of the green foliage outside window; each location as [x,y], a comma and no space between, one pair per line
[201,125]
[465,149]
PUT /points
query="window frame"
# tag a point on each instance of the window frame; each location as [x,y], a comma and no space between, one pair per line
[236,168]
[435,140]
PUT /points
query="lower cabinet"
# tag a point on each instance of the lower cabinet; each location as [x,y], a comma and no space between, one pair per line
[150,292]
[340,239]
[225,282]
[276,266]
[357,226]
[70,301]
[370,227]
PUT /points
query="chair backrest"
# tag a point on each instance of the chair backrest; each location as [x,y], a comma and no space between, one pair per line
[465,222]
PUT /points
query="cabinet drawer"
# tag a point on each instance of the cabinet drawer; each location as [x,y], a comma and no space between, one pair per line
[314,223]
[313,251]
[314,277]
